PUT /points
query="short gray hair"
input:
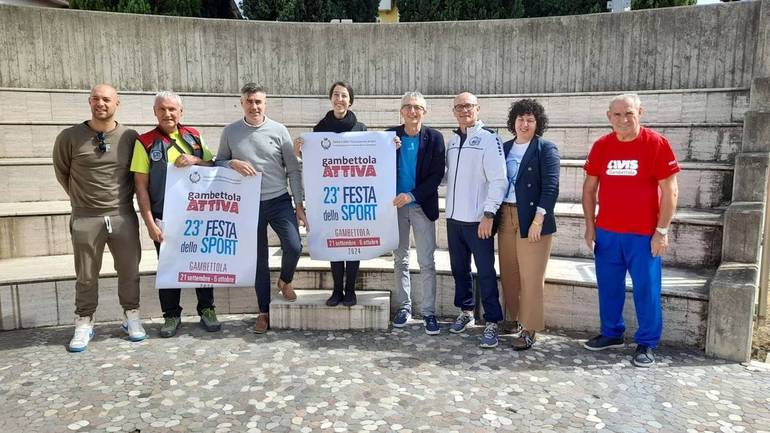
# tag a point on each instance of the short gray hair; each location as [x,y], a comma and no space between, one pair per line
[166,94]
[414,95]
[252,88]
[633,98]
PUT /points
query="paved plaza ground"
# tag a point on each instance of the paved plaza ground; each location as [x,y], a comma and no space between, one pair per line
[397,380]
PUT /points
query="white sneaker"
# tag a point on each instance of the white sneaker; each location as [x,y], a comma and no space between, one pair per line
[133,325]
[84,332]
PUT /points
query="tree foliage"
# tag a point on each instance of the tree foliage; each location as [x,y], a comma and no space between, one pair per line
[310,10]
[652,4]
[453,10]
[188,8]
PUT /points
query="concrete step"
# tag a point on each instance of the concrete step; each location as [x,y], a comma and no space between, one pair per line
[309,311]
[715,142]
[39,291]
[688,105]
[695,236]
[41,228]
[701,184]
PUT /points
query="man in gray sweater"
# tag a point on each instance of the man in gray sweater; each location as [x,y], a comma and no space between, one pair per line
[256,144]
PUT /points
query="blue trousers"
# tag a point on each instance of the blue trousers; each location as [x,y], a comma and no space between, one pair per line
[463,242]
[616,253]
[279,213]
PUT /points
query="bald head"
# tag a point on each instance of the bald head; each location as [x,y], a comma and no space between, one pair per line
[466,110]
[104,103]
[466,97]
[104,89]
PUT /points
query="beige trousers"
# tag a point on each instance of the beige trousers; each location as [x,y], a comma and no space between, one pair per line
[522,271]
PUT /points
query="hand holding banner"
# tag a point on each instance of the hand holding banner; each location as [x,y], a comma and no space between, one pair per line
[210,219]
[350,181]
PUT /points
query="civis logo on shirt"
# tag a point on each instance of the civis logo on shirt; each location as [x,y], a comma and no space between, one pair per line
[622,167]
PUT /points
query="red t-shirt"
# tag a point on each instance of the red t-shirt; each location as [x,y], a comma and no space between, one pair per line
[628,172]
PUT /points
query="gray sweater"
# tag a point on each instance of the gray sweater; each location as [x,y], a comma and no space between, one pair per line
[269,149]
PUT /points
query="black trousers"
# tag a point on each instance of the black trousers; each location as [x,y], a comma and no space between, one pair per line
[348,271]
[169,298]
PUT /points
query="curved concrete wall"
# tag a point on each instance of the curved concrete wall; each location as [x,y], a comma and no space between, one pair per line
[676,48]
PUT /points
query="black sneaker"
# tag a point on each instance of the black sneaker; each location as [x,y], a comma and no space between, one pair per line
[334,299]
[643,357]
[600,342]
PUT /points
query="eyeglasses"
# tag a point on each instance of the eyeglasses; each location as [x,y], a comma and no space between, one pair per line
[103,145]
[410,107]
[464,107]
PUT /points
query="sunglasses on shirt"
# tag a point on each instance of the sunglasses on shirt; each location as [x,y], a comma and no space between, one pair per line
[100,140]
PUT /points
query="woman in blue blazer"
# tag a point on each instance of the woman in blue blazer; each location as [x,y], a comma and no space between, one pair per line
[526,218]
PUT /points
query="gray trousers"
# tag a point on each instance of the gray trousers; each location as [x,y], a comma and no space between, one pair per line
[425,238]
[89,236]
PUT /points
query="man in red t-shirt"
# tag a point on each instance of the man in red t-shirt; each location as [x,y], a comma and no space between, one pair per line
[633,169]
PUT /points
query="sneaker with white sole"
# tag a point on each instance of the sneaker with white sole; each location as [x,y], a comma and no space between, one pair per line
[464,320]
[84,332]
[431,325]
[489,337]
[132,325]
[403,316]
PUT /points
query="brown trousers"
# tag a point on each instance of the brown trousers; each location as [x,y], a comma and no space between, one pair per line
[89,235]
[522,271]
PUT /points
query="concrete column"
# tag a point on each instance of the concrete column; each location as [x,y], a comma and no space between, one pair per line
[733,289]
[731,311]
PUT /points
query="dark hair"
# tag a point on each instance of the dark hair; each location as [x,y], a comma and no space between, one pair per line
[252,88]
[344,84]
[528,106]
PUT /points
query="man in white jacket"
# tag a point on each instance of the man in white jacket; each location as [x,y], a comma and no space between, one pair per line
[476,184]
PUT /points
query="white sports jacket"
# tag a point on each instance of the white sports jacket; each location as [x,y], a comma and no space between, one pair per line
[476,174]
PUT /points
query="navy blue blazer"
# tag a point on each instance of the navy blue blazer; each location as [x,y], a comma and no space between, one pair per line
[537,183]
[431,163]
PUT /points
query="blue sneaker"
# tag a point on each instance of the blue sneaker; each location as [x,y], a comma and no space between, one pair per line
[463,321]
[402,317]
[489,338]
[431,325]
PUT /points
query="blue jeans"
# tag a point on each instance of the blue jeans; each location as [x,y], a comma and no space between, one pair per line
[463,242]
[616,253]
[279,213]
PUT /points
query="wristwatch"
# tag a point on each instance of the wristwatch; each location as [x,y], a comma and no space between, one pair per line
[490,215]
[662,230]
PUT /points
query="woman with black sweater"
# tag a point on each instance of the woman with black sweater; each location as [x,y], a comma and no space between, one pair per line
[340,119]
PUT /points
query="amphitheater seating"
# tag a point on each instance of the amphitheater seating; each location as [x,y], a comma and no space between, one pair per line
[704,127]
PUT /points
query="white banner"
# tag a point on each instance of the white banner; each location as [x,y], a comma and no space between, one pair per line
[350,183]
[209,228]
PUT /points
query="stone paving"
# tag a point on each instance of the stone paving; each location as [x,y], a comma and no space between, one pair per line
[396,380]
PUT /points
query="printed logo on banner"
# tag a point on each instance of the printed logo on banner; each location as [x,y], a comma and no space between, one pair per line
[156,155]
[474,141]
[326,143]
[211,235]
[346,177]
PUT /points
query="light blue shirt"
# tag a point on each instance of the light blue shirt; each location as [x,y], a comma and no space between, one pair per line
[512,163]
[407,165]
